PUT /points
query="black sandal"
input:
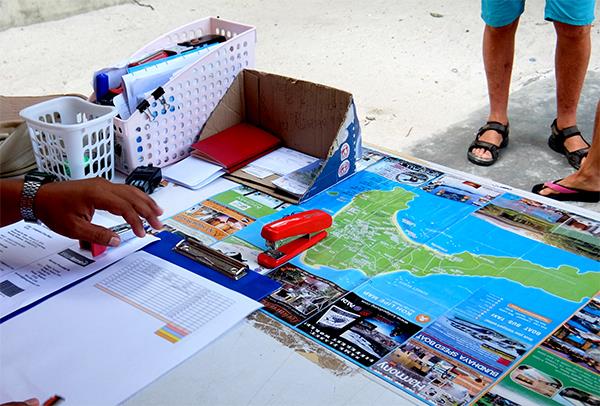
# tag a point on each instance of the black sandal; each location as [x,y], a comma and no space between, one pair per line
[557,143]
[488,146]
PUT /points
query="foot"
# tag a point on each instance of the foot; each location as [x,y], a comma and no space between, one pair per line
[576,180]
[566,139]
[573,143]
[491,136]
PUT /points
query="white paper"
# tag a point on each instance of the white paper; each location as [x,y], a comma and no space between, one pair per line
[141,81]
[192,172]
[36,262]
[256,171]
[99,342]
[283,161]
[300,180]
[121,105]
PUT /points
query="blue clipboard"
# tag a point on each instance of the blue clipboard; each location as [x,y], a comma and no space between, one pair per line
[253,285]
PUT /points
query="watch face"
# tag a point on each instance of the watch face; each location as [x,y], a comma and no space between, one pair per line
[41,177]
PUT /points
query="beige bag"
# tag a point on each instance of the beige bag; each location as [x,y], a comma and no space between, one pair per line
[16,153]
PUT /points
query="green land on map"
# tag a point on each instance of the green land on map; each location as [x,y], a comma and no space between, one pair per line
[365,235]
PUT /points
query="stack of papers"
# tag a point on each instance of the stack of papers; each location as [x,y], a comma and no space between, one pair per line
[282,161]
[298,182]
[192,173]
[296,171]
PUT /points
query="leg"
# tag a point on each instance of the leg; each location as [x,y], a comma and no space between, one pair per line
[498,55]
[572,56]
[588,176]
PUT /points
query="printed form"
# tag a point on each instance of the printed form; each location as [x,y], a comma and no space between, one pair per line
[35,262]
[141,317]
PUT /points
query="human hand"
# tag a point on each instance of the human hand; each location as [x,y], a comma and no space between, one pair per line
[68,207]
[28,402]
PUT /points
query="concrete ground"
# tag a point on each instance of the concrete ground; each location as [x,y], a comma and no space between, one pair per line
[414,67]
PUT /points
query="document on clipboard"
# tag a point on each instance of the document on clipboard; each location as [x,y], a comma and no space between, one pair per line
[142,316]
[36,262]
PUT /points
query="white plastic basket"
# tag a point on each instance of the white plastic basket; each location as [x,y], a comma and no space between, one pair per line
[163,132]
[72,138]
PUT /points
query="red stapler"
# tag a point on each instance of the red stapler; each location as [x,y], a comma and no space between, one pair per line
[291,235]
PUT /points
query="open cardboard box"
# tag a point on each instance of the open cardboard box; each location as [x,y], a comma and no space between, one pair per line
[314,119]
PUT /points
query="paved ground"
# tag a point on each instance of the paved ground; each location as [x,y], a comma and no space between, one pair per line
[414,67]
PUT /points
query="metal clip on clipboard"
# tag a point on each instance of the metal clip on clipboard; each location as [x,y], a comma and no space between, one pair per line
[198,252]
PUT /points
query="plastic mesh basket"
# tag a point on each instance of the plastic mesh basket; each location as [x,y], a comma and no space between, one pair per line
[72,138]
[163,132]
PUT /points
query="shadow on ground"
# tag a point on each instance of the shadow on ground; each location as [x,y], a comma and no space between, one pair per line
[527,160]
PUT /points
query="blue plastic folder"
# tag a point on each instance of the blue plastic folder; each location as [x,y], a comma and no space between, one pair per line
[253,285]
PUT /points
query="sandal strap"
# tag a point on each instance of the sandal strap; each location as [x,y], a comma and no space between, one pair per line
[496,126]
[567,132]
[488,146]
[560,188]
[581,153]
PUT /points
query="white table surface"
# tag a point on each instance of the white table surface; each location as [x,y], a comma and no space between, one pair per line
[262,362]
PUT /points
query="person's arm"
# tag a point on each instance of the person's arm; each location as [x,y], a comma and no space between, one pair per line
[28,402]
[10,197]
[68,207]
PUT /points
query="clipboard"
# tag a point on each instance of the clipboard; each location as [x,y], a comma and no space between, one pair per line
[253,285]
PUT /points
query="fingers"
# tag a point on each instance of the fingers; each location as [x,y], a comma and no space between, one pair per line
[149,214]
[131,204]
[28,402]
[86,231]
[141,196]
[121,207]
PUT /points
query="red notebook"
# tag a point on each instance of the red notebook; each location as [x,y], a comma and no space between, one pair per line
[236,146]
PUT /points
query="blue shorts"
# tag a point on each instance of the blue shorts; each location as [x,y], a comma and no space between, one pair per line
[498,13]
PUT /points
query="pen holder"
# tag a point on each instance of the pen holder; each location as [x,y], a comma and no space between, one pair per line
[165,125]
[72,138]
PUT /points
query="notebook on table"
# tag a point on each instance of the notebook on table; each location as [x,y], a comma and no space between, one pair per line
[236,146]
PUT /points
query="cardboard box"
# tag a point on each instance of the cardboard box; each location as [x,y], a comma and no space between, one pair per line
[314,119]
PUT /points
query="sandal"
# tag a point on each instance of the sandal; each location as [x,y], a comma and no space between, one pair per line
[567,193]
[557,143]
[488,146]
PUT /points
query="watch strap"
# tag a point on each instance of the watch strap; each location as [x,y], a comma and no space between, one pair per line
[30,189]
[33,182]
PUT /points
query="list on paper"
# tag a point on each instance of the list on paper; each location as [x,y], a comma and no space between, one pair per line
[114,333]
[35,262]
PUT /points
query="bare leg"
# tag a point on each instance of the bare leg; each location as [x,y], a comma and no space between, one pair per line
[498,55]
[588,176]
[573,47]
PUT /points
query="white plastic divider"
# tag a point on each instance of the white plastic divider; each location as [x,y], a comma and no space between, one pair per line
[162,130]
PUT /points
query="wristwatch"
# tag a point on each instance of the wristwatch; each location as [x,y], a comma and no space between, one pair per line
[33,181]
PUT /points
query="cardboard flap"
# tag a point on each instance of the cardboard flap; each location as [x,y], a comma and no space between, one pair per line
[228,112]
[305,115]
[314,119]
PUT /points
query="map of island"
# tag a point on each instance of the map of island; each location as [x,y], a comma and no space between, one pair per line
[366,236]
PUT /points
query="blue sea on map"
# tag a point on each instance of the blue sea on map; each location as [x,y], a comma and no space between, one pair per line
[425,221]
[348,279]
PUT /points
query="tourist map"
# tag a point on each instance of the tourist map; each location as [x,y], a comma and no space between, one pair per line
[455,291]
